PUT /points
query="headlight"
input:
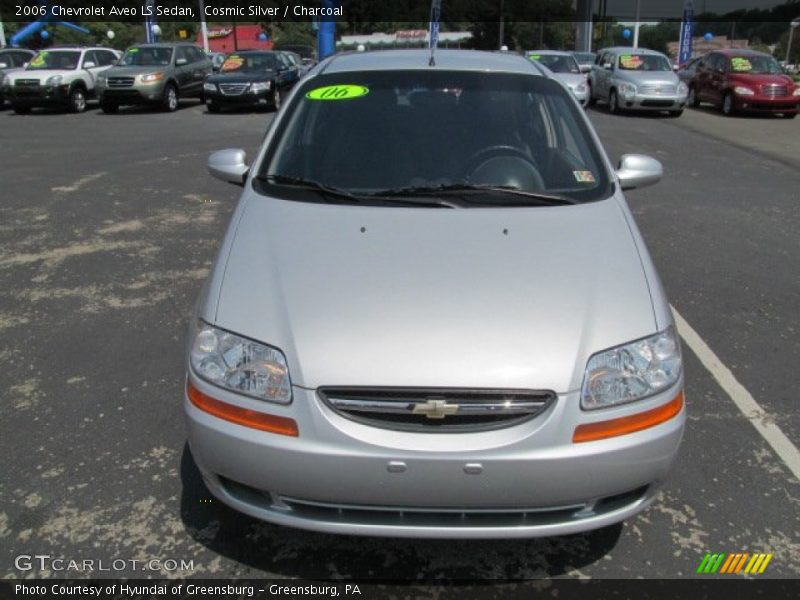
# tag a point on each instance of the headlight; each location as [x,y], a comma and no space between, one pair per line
[632,371]
[240,365]
[209,87]
[260,87]
[580,88]
[683,89]
[796,91]
[152,77]
[54,80]
[627,89]
[743,91]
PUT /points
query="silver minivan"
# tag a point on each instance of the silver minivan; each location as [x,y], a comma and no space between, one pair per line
[636,79]
[432,314]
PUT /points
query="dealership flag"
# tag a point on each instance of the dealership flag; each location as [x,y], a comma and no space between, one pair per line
[687,30]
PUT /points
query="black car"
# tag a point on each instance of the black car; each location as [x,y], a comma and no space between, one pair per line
[253,78]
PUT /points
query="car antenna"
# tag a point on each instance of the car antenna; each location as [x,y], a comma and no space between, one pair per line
[433,29]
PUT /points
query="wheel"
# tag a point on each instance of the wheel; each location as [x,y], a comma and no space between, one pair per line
[691,99]
[675,113]
[480,169]
[590,99]
[109,107]
[77,100]
[613,103]
[21,109]
[169,102]
[727,105]
[212,108]
[276,99]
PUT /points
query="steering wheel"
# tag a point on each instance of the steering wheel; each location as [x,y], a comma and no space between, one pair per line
[504,165]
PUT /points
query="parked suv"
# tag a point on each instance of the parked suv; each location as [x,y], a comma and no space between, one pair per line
[155,74]
[12,60]
[744,80]
[61,76]
[636,79]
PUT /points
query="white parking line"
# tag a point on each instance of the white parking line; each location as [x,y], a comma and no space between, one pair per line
[759,418]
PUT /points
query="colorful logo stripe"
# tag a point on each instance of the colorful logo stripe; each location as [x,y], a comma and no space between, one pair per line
[754,564]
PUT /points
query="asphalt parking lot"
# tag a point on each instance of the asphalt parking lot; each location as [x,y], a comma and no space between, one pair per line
[108,225]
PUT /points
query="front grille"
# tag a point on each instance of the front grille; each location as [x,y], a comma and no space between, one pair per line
[445,410]
[774,90]
[120,82]
[27,83]
[657,89]
[657,103]
[233,89]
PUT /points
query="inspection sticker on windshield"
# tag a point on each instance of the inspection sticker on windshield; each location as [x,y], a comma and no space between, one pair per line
[337,92]
[584,176]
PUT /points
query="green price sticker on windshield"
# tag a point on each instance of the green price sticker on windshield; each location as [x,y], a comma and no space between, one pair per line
[535,56]
[337,92]
[38,61]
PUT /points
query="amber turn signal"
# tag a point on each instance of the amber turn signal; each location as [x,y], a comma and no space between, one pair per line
[591,432]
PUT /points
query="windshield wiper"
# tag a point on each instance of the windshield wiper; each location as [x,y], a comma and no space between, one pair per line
[534,198]
[346,196]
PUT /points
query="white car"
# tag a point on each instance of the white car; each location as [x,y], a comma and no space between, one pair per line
[62,76]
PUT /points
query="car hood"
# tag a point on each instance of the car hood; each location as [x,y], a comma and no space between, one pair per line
[506,298]
[40,74]
[761,79]
[649,77]
[241,77]
[133,71]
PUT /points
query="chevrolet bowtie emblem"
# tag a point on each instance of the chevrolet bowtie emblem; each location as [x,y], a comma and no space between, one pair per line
[435,409]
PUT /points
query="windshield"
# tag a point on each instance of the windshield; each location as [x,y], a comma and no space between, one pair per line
[411,131]
[248,62]
[54,59]
[643,62]
[755,65]
[146,56]
[557,63]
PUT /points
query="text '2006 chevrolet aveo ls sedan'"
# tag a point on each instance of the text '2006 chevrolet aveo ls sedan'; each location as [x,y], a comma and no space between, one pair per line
[432,314]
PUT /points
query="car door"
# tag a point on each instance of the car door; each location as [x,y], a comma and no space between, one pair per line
[285,78]
[608,70]
[200,68]
[91,67]
[717,79]
[599,74]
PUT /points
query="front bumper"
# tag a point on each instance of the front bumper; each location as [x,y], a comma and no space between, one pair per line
[647,102]
[340,476]
[137,94]
[43,95]
[581,97]
[248,98]
[767,104]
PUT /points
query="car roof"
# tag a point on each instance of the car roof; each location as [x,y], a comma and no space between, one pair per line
[629,50]
[550,52]
[445,60]
[740,52]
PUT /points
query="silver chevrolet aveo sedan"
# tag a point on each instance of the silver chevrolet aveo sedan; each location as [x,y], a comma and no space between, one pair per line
[432,314]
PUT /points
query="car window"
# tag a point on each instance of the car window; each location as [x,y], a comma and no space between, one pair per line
[643,62]
[557,63]
[367,132]
[55,59]
[89,56]
[146,56]
[105,57]
[180,53]
[8,59]
[755,65]
[195,54]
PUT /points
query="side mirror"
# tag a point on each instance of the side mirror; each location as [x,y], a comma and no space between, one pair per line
[3,65]
[607,66]
[180,62]
[229,165]
[89,64]
[25,65]
[584,68]
[638,170]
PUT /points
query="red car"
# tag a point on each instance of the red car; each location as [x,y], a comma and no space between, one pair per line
[744,80]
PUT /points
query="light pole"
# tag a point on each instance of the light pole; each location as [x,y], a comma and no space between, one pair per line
[636,27]
[501,33]
[792,26]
